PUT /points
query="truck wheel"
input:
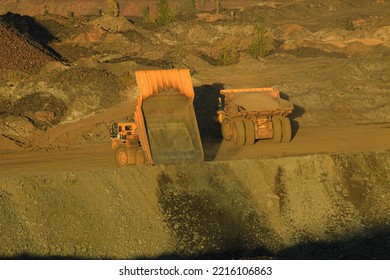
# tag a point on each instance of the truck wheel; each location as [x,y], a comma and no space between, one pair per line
[238,131]
[249,132]
[226,129]
[286,129]
[277,130]
[139,157]
[121,157]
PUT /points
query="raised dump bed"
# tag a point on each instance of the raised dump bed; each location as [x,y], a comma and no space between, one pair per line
[264,101]
[165,117]
[171,128]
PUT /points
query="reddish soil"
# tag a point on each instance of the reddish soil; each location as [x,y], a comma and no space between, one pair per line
[324,195]
[88,7]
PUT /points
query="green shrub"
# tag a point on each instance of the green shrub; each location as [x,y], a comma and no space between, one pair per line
[164,13]
[218,5]
[188,7]
[97,12]
[349,25]
[261,44]
[145,13]
[112,8]
[70,14]
[45,10]
[228,56]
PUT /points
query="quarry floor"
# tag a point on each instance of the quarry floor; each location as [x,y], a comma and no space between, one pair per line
[325,195]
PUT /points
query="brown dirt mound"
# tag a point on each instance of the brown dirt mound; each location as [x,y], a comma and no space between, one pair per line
[18,53]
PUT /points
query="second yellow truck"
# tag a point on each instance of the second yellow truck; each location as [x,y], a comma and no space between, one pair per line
[249,114]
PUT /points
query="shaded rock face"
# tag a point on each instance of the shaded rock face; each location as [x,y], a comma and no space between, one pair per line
[310,207]
[18,53]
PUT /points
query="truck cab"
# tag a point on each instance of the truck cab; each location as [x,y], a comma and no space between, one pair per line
[121,132]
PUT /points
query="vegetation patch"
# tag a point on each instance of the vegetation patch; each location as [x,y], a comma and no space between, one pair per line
[261,44]
[228,56]
[165,14]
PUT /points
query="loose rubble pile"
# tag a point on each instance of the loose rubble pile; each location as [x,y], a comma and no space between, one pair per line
[17,52]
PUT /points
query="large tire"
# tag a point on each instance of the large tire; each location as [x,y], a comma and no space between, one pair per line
[226,129]
[286,129]
[249,132]
[139,157]
[238,131]
[277,130]
[121,157]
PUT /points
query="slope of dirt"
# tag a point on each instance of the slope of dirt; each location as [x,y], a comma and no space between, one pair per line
[320,206]
[18,53]
[60,195]
[333,69]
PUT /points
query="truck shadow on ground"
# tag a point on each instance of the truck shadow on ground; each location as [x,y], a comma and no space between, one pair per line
[296,113]
[371,245]
[206,107]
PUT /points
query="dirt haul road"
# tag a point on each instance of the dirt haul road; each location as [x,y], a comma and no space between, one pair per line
[324,195]
[359,138]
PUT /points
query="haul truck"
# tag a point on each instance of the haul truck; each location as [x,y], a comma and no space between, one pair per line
[164,129]
[254,113]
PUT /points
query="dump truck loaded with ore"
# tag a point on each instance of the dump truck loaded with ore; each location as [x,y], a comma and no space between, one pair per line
[247,115]
[165,129]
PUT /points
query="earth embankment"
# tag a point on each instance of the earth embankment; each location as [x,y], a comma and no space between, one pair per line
[315,206]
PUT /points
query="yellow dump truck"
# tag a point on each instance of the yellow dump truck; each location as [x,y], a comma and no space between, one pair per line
[254,113]
[164,129]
